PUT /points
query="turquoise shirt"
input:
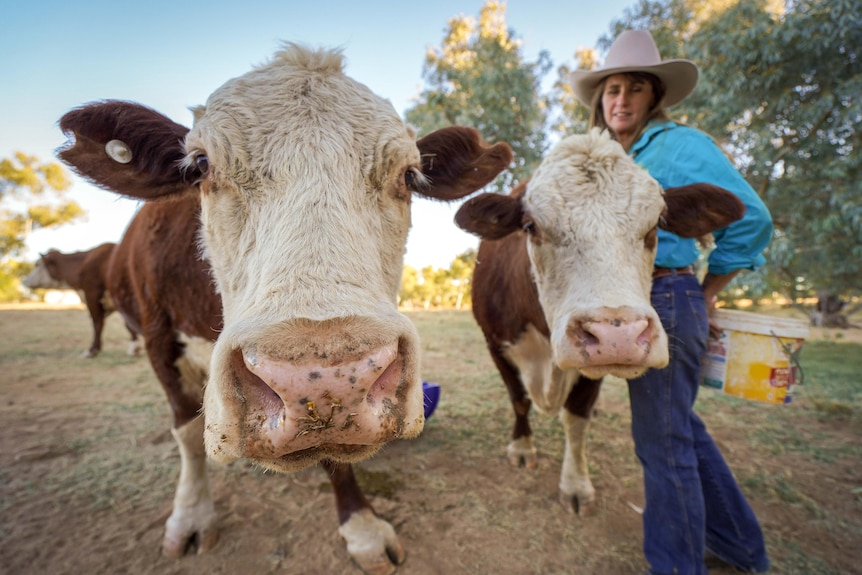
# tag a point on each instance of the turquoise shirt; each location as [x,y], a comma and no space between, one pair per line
[678,155]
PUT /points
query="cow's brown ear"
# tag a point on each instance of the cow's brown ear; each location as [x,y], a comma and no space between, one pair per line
[457,162]
[696,210]
[490,216]
[126,148]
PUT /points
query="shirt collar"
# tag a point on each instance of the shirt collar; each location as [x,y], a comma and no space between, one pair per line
[653,128]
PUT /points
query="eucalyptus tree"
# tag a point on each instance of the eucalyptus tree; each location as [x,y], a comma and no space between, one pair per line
[479,77]
[32,196]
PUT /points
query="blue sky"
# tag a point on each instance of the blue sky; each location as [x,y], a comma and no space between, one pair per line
[58,54]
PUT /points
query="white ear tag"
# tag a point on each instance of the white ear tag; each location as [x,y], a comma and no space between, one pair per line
[118,151]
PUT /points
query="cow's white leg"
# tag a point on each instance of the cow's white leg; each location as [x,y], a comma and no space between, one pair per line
[193,515]
[134,348]
[546,386]
[372,543]
[576,489]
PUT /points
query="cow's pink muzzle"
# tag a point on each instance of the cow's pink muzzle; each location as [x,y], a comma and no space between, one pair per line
[294,406]
[616,341]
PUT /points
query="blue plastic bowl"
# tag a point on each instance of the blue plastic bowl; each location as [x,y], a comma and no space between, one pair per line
[432,396]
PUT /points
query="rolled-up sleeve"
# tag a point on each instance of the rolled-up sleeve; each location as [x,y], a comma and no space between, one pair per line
[739,246]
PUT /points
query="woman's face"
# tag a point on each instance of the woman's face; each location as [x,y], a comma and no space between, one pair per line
[626,103]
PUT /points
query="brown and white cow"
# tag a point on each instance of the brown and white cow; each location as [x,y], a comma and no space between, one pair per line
[296,181]
[85,272]
[561,288]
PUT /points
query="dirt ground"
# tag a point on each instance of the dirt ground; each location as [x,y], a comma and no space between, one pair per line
[88,468]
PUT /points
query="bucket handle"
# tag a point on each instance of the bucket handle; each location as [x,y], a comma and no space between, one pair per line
[792,355]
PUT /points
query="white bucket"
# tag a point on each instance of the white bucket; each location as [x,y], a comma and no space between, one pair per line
[756,355]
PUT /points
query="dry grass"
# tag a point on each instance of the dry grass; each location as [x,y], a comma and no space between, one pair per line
[88,467]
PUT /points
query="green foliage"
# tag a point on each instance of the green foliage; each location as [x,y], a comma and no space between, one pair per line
[25,201]
[479,78]
[436,287]
[782,89]
[573,118]
[11,272]
[25,172]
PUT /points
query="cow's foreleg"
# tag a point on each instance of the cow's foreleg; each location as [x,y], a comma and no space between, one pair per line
[521,451]
[193,519]
[135,346]
[97,315]
[181,366]
[371,541]
[576,489]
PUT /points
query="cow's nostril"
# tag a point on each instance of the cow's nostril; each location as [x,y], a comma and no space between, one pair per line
[579,333]
[252,388]
[387,384]
[591,335]
[647,336]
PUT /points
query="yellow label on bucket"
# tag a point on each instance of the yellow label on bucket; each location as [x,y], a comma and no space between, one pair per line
[750,359]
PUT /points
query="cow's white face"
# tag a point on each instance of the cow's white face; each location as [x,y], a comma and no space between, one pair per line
[305,179]
[306,209]
[591,216]
[40,277]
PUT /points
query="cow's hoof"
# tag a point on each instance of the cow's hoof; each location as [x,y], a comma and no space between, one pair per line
[528,460]
[372,543]
[201,541]
[582,505]
[190,528]
[522,453]
[88,354]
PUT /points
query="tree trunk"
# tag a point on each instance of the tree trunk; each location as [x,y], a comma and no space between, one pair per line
[829,311]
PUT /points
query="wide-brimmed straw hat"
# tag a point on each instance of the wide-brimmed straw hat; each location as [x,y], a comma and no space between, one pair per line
[635,51]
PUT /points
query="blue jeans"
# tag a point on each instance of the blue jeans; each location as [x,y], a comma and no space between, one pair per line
[693,502]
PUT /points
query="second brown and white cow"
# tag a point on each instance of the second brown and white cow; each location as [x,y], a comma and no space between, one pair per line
[561,288]
[86,272]
[296,181]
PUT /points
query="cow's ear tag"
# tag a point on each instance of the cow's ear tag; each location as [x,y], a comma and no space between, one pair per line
[118,151]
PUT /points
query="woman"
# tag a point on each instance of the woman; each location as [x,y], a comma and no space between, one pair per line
[694,506]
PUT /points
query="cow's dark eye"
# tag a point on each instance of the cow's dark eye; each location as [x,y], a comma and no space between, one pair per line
[529,226]
[414,179]
[651,239]
[203,164]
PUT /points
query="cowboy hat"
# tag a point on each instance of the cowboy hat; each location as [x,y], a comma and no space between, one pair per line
[635,51]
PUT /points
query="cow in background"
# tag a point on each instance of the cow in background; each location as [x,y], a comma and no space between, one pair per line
[296,183]
[86,273]
[561,288]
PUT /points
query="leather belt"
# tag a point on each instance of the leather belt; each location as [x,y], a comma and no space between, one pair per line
[658,272]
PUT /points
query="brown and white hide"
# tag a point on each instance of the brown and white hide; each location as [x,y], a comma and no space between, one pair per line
[85,272]
[296,183]
[562,283]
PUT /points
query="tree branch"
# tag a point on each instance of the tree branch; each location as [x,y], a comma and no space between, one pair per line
[786,149]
